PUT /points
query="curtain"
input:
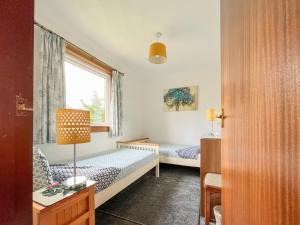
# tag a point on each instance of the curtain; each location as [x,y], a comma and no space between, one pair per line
[116,114]
[49,87]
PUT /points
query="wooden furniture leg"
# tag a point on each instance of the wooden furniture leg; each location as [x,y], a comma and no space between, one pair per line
[212,185]
[157,170]
[207,206]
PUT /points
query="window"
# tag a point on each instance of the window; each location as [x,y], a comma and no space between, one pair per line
[88,88]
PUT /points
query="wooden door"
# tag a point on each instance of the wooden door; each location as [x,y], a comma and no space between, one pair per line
[261,99]
[16,76]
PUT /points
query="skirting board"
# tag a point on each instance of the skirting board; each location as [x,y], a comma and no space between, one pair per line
[180,161]
[106,194]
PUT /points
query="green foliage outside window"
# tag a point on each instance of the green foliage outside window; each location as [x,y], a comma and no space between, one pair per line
[96,108]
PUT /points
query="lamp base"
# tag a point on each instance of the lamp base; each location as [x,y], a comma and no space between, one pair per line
[211,134]
[75,182]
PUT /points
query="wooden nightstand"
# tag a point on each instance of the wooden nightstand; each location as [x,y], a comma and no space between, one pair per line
[76,209]
[210,163]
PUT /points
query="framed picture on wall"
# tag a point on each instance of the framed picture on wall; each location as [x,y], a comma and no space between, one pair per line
[181,99]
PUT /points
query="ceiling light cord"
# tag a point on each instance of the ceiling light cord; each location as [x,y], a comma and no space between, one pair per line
[158,36]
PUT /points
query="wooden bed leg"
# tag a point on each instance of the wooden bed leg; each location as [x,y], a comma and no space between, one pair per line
[157,170]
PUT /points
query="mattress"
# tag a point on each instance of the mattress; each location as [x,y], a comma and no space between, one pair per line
[171,150]
[128,160]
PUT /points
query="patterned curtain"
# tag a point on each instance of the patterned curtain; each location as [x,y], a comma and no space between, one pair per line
[49,87]
[116,114]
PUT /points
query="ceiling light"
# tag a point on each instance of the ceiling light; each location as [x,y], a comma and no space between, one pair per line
[158,52]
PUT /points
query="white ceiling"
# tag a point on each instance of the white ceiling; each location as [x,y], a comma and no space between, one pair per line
[125,28]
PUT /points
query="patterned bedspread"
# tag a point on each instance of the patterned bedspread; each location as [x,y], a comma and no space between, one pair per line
[189,152]
[179,151]
[102,176]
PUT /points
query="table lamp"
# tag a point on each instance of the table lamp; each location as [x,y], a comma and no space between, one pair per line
[211,116]
[73,127]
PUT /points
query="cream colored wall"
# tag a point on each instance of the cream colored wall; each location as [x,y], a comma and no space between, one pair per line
[185,127]
[197,64]
[133,118]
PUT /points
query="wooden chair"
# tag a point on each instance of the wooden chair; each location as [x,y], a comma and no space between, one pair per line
[212,184]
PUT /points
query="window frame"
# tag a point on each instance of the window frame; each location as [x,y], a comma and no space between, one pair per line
[80,58]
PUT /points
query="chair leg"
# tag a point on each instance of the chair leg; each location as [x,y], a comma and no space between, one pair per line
[207,206]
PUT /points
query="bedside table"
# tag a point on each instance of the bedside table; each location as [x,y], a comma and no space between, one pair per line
[76,209]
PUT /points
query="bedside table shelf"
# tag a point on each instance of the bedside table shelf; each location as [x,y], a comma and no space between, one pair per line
[76,209]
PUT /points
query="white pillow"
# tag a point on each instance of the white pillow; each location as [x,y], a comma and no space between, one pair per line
[41,174]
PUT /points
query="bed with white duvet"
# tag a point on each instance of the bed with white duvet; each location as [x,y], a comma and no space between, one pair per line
[184,155]
[113,171]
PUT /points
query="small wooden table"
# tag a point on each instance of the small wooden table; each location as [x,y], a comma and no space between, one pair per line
[76,209]
[212,184]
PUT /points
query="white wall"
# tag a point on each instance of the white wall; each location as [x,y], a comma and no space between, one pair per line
[185,127]
[132,100]
[194,60]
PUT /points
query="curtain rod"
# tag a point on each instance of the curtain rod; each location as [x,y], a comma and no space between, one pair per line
[70,43]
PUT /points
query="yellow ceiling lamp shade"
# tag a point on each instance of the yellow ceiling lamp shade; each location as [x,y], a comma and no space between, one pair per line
[158,51]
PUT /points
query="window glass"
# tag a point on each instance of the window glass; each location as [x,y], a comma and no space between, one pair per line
[86,88]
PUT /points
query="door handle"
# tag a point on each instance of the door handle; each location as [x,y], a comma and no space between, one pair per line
[22,106]
[222,117]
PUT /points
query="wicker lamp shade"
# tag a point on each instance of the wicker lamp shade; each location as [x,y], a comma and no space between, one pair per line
[72,126]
